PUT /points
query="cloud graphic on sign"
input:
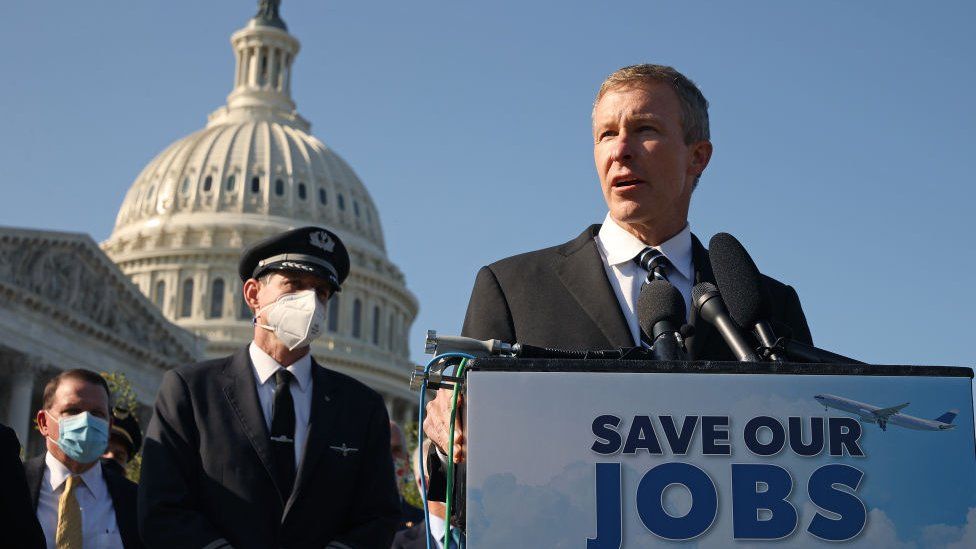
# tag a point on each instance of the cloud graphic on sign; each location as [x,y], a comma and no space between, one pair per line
[952,537]
[531,512]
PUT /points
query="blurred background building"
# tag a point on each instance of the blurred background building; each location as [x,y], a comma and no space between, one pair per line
[254,170]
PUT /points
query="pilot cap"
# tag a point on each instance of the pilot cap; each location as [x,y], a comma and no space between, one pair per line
[307,249]
[125,427]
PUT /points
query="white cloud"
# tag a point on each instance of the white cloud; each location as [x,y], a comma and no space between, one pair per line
[952,537]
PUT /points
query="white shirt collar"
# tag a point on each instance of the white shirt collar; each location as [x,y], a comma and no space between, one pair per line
[265,366]
[436,528]
[620,246]
[59,473]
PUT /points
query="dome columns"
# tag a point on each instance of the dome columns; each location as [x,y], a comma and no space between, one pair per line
[263,75]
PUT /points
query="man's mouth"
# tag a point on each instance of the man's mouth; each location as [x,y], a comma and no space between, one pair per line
[623,183]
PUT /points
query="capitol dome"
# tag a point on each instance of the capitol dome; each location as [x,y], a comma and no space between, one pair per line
[253,171]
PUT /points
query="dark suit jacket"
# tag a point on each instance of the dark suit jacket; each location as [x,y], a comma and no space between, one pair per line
[207,465]
[121,489]
[414,537]
[18,520]
[409,515]
[560,297]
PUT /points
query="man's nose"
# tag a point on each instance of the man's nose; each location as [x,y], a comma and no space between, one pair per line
[620,150]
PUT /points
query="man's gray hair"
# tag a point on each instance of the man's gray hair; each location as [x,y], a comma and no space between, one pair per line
[694,106]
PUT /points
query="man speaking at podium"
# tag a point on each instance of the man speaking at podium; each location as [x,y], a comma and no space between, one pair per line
[650,145]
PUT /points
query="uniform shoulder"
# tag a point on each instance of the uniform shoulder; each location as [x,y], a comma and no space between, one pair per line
[349,385]
[197,369]
[193,378]
[8,437]
[404,538]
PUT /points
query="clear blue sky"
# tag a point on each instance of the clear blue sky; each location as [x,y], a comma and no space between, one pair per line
[841,132]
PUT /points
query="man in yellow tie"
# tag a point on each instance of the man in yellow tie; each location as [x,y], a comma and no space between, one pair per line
[80,503]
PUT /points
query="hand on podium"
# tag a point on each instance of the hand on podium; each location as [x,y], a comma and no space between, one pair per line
[438,421]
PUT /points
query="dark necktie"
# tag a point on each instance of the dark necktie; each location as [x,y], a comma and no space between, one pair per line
[656,266]
[283,433]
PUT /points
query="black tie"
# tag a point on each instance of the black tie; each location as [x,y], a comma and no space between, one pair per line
[283,433]
[654,263]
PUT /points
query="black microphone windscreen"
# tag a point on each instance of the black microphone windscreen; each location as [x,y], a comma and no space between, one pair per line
[658,301]
[738,280]
[699,290]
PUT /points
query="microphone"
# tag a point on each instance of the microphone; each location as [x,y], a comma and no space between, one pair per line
[742,287]
[708,302]
[661,313]
[801,352]
[441,344]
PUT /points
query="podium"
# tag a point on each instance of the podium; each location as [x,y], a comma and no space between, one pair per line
[602,454]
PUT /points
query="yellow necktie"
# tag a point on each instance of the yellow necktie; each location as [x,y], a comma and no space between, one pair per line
[69,516]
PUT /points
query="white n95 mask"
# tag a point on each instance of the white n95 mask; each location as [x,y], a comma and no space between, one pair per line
[296,319]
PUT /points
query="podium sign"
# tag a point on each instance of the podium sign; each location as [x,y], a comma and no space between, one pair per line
[594,454]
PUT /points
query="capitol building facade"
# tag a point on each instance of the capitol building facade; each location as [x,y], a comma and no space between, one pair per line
[253,171]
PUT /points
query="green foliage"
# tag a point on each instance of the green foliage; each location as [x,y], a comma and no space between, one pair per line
[124,398]
[410,492]
[122,395]
[134,468]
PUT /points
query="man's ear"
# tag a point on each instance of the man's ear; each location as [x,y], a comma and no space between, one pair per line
[251,288]
[42,424]
[701,154]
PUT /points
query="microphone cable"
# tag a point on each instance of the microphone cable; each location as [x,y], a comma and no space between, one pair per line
[450,455]
[420,439]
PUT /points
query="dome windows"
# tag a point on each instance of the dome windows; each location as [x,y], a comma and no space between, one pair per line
[376,325]
[333,324]
[186,303]
[355,207]
[185,187]
[217,298]
[357,319]
[231,183]
[208,184]
[150,197]
[323,198]
[279,187]
[342,202]
[159,296]
[302,194]
[255,184]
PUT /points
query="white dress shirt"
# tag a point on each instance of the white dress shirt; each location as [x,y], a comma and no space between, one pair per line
[98,526]
[437,528]
[301,392]
[618,249]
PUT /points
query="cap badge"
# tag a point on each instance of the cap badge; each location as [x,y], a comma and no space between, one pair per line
[321,239]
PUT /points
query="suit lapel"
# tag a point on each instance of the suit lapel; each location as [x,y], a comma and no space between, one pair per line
[704,331]
[323,417]
[242,395]
[34,471]
[124,509]
[581,271]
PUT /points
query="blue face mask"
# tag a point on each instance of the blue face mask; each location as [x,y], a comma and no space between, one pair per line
[82,437]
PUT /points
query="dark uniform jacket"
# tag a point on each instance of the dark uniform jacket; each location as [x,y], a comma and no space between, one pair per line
[414,537]
[207,476]
[18,519]
[121,489]
[560,297]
